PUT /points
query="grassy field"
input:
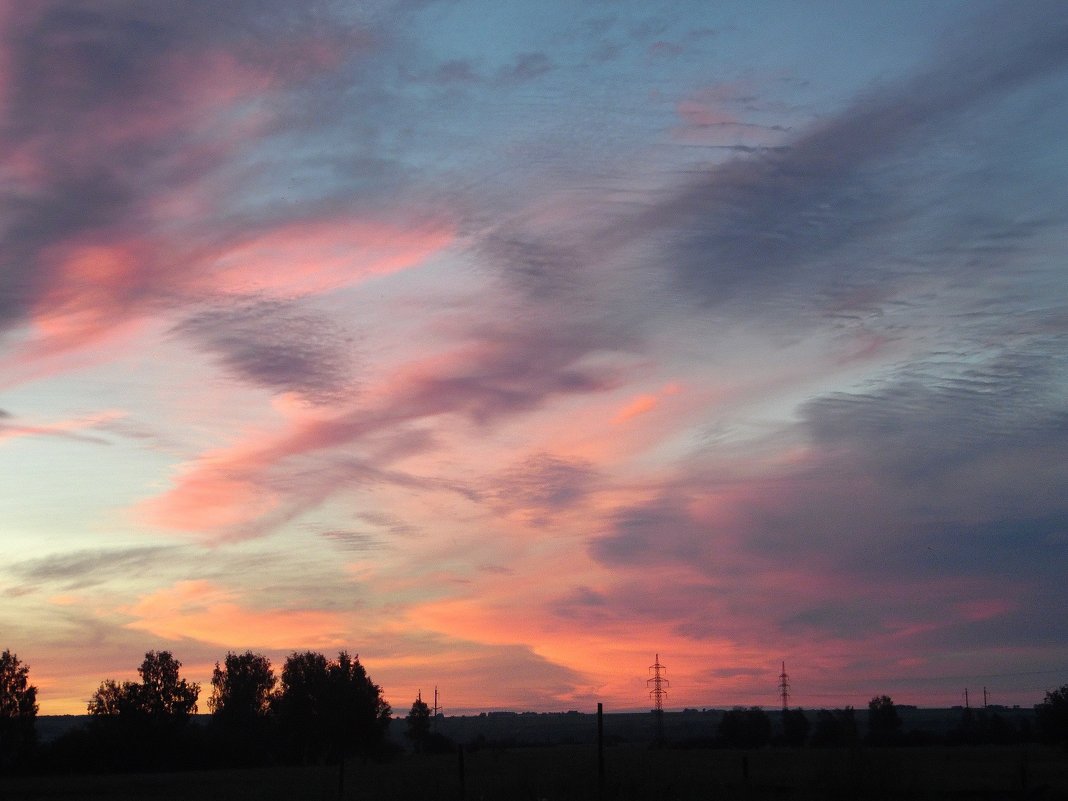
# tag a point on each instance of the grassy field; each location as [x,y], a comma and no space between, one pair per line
[633,773]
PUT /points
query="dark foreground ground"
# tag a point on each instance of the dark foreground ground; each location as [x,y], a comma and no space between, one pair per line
[633,773]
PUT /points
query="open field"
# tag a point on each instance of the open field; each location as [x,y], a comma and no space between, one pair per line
[633,773]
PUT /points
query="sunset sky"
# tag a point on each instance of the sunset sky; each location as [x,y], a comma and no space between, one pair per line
[509,344]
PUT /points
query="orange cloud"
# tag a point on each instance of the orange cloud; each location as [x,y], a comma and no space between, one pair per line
[644,403]
[200,610]
[640,405]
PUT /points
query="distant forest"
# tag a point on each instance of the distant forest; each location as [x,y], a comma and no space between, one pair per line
[321,711]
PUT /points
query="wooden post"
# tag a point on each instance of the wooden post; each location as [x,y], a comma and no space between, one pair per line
[600,751]
[463,784]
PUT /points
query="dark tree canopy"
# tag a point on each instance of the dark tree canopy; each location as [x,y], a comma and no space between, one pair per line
[18,709]
[418,723]
[112,699]
[795,727]
[884,724]
[745,728]
[1052,716]
[162,695]
[242,688]
[330,708]
[835,727]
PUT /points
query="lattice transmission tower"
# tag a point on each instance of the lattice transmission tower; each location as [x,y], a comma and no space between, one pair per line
[784,688]
[659,684]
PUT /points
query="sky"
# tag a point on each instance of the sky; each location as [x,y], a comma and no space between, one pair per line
[512,345]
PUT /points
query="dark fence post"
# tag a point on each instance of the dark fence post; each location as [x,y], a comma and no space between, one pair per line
[463,783]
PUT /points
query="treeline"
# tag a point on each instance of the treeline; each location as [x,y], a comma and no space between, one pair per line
[318,710]
[836,728]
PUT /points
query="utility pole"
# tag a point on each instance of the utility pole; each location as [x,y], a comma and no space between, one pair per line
[784,688]
[435,711]
[659,685]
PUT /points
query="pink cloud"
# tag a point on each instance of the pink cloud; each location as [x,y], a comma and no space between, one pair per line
[315,257]
[71,428]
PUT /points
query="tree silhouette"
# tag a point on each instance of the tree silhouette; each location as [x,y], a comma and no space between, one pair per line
[884,724]
[329,708]
[242,688]
[163,694]
[835,727]
[18,710]
[1052,716]
[362,713]
[418,723]
[302,702]
[794,727]
[139,725]
[745,728]
[112,699]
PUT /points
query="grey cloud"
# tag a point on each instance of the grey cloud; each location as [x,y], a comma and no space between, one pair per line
[391,523]
[772,224]
[653,533]
[526,67]
[88,568]
[352,540]
[279,346]
[856,619]
[930,417]
[543,484]
[542,270]
[457,71]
